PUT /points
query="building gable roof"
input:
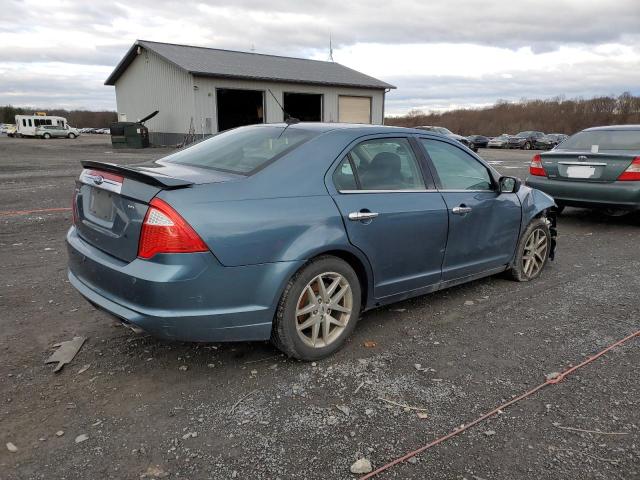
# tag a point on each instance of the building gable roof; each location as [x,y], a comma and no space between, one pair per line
[213,62]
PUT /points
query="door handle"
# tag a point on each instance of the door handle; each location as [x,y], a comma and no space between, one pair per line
[461,210]
[362,215]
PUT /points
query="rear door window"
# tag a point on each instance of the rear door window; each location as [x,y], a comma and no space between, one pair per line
[385,164]
[457,169]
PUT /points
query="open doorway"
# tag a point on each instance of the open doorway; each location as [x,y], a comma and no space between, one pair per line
[239,107]
[306,107]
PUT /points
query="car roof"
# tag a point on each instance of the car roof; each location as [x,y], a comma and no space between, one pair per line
[613,127]
[363,128]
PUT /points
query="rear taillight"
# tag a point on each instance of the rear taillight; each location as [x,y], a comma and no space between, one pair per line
[536,168]
[632,173]
[165,231]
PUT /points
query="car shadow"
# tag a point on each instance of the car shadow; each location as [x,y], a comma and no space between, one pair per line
[586,216]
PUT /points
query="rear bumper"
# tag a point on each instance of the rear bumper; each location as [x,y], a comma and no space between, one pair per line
[623,195]
[185,297]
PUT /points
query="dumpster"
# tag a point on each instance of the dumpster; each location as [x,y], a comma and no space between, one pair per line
[131,134]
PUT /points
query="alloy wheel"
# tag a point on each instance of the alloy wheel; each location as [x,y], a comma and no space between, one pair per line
[324,309]
[535,253]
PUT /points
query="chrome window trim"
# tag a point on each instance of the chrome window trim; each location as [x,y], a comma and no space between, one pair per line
[465,191]
[415,191]
[422,190]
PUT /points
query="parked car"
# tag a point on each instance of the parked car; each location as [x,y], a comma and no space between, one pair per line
[597,168]
[549,141]
[524,140]
[448,133]
[273,232]
[501,141]
[56,131]
[478,141]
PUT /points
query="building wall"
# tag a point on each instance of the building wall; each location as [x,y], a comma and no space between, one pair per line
[151,83]
[205,99]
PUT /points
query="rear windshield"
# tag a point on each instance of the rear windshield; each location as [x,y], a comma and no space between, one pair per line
[242,150]
[597,140]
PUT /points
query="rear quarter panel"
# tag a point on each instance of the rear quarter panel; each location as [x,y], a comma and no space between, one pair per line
[246,232]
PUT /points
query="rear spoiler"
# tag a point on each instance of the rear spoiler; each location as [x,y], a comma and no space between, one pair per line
[141,174]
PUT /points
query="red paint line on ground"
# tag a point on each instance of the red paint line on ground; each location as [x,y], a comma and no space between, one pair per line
[14,213]
[551,381]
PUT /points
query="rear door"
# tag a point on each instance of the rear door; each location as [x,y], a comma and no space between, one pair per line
[392,213]
[484,225]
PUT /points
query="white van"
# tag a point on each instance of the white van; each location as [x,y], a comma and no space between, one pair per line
[26,124]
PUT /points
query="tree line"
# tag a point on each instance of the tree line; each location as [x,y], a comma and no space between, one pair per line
[76,118]
[557,115]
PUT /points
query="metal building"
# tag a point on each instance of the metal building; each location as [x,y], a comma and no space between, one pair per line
[207,90]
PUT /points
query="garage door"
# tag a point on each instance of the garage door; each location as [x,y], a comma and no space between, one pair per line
[354,109]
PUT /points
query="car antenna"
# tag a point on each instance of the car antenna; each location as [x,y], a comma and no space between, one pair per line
[288,119]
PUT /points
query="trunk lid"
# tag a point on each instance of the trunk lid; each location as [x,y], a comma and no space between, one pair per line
[585,166]
[110,201]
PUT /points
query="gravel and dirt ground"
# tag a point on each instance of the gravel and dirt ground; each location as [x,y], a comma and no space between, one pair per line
[151,409]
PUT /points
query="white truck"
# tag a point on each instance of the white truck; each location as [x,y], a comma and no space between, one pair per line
[26,125]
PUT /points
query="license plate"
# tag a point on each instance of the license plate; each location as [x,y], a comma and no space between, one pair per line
[101,204]
[580,171]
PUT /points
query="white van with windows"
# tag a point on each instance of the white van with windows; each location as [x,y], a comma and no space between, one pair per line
[26,125]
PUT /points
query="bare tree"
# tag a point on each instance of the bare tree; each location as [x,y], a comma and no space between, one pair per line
[557,115]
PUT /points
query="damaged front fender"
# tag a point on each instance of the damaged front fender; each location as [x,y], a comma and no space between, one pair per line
[536,203]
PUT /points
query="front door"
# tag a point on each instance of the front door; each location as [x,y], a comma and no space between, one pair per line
[391,215]
[484,225]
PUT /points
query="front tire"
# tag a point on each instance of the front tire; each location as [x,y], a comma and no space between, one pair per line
[533,251]
[72,135]
[527,146]
[46,136]
[318,309]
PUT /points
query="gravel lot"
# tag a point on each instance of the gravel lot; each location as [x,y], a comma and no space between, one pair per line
[152,409]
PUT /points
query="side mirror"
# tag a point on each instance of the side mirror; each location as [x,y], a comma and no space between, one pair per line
[509,184]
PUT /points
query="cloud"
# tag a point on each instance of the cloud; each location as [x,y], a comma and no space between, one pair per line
[485,50]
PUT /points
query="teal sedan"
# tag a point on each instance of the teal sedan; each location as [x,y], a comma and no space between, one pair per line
[596,168]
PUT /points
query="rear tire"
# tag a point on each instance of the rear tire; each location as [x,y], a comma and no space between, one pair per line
[533,250]
[46,136]
[615,212]
[329,311]
[527,146]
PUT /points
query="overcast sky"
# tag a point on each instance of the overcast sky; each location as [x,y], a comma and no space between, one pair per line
[440,55]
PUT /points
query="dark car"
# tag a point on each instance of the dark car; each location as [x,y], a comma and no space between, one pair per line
[524,140]
[549,141]
[597,167]
[289,232]
[478,141]
[448,133]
